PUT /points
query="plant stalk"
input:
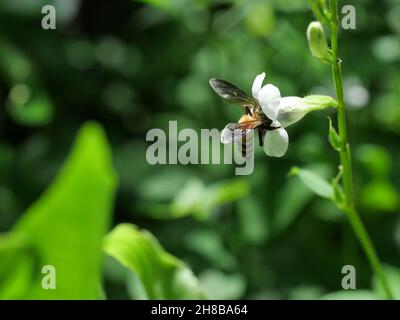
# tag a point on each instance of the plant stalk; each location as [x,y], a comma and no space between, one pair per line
[345,159]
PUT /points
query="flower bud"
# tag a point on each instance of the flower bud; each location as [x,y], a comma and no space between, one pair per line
[292,109]
[320,101]
[317,42]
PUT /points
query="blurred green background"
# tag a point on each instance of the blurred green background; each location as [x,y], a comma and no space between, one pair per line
[131,66]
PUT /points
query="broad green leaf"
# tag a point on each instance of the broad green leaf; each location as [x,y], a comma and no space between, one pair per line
[228,191]
[209,244]
[221,286]
[134,286]
[16,265]
[291,199]
[305,292]
[200,200]
[163,185]
[314,182]
[350,295]
[197,199]
[163,276]
[393,277]
[189,200]
[252,218]
[66,225]
[19,277]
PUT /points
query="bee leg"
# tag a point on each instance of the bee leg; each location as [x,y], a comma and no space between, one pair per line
[273,128]
[261,134]
[244,149]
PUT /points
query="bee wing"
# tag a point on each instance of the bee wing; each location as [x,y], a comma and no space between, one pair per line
[230,92]
[235,131]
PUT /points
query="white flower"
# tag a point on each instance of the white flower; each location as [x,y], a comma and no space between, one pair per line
[283,112]
[276,141]
[291,110]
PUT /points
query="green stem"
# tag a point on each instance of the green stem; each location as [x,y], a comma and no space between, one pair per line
[345,159]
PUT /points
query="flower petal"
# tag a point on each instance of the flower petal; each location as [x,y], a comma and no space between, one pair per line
[291,110]
[276,142]
[257,84]
[269,98]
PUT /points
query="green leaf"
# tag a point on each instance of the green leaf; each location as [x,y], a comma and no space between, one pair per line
[292,199]
[314,182]
[294,196]
[162,4]
[209,244]
[305,292]
[197,199]
[261,19]
[380,196]
[350,295]
[16,265]
[221,286]
[253,224]
[163,276]
[168,6]
[334,138]
[66,225]
[30,106]
[189,200]
[393,277]
[376,159]
[338,194]
[209,198]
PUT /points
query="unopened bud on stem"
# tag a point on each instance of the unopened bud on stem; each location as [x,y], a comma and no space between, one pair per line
[317,42]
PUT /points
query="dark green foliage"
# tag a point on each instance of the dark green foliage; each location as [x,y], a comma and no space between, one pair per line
[132,66]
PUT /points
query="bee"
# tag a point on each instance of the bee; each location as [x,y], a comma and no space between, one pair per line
[254,117]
